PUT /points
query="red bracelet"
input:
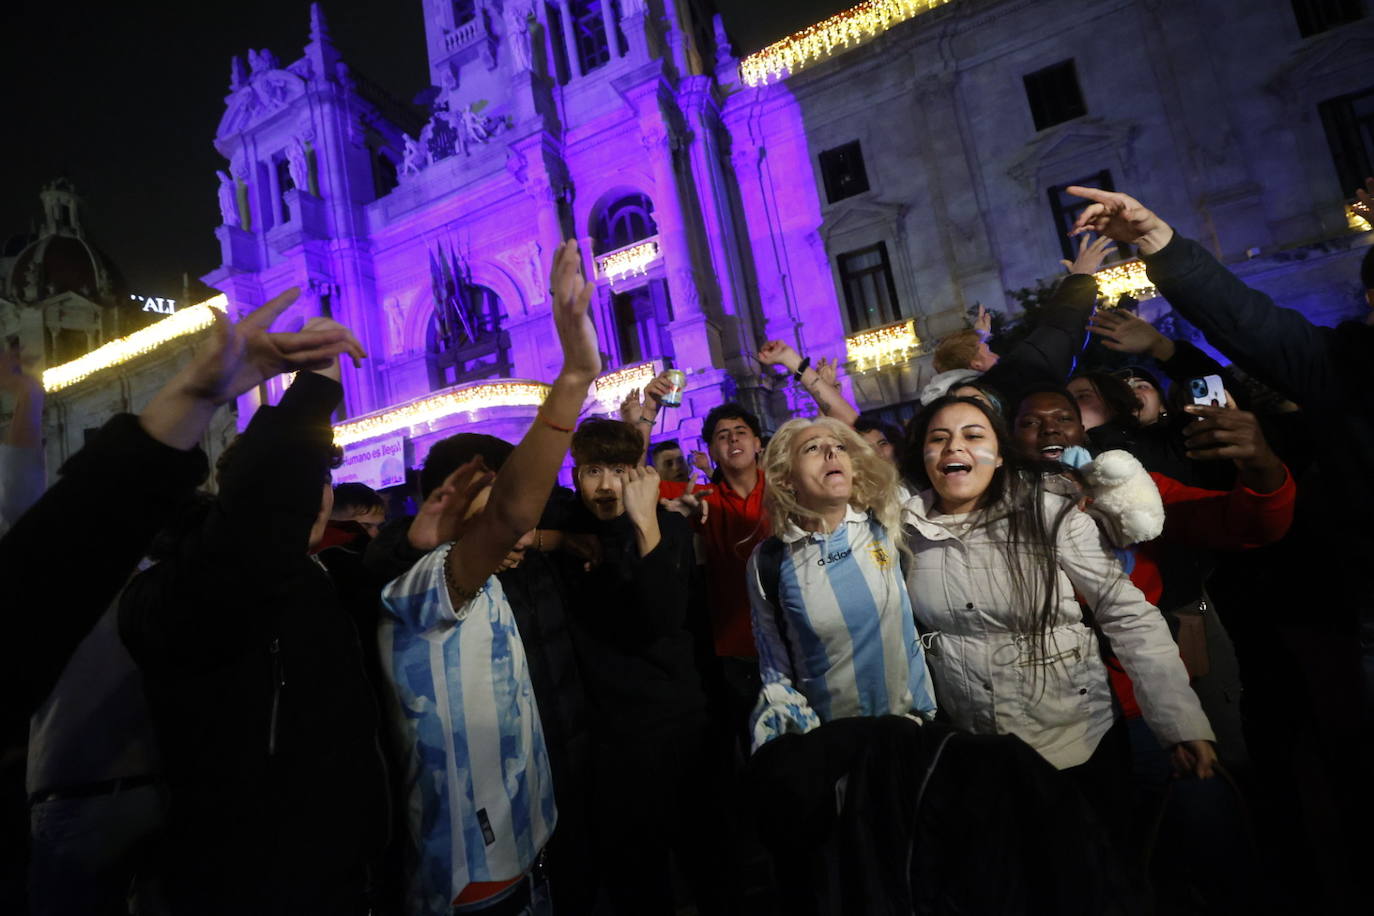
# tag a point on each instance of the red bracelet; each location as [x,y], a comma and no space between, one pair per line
[550,424]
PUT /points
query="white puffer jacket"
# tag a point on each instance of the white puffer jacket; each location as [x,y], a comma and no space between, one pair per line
[992,679]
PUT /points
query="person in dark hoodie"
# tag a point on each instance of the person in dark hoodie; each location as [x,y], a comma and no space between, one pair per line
[629,623]
[1326,371]
[257,684]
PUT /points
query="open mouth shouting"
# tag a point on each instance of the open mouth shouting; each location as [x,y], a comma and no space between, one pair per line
[956,469]
[1052,452]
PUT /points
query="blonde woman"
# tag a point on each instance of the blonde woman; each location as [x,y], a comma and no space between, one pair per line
[832,622]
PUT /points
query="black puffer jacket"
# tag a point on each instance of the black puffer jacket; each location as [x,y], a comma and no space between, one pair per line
[256,683]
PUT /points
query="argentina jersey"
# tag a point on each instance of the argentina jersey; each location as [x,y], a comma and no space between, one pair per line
[835,632]
[479,793]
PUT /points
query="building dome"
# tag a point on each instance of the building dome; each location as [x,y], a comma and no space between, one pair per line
[61,264]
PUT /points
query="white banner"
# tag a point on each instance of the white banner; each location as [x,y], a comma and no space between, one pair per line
[379,463]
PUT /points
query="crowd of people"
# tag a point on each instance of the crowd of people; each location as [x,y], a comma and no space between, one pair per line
[846,668]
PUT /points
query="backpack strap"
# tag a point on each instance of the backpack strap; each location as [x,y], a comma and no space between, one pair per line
[770,576]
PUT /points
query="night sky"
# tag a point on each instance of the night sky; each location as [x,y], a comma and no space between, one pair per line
[124,98]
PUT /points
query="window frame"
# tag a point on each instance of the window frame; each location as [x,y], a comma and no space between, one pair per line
[1045,111]
[848,277]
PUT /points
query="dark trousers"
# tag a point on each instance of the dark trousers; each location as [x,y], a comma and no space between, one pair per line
[1104,780]
[652,803]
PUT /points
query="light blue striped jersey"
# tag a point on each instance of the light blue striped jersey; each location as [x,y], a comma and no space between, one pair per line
[849,646]
[479,792]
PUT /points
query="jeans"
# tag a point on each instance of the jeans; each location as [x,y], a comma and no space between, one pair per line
[86,851]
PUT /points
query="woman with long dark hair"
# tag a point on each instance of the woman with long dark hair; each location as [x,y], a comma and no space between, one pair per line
[996,563]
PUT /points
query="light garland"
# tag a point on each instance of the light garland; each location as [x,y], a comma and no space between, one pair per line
[431,408]
[189,320]
[633,260]
[1125,279]
[610,389]
[1354,221]
[842,30]
[890,345]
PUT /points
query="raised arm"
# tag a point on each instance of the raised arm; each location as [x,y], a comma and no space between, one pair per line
[526,479]
[1277,345]
[133,474]
[1046,355]
[827,397]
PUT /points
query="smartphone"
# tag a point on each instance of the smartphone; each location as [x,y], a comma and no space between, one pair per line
[1207,391]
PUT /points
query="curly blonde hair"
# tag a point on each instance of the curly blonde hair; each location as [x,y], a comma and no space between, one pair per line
[875,479]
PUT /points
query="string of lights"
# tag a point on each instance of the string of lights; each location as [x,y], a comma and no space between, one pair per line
[431,408]
[1127,278]
[889,345]
[187,321]
[633,260]
[817,42]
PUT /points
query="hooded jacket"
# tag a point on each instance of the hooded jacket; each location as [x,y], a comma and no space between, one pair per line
[991,678]
[256,682]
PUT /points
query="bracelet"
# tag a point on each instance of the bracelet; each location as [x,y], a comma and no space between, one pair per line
[801,368]
[465,594]
[550,424]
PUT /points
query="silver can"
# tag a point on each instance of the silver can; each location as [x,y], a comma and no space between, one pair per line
[678,379]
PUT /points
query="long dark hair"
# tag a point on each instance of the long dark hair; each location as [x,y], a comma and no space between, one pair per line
[1016,495]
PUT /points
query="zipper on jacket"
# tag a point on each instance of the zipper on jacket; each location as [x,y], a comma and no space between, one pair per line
[278,682]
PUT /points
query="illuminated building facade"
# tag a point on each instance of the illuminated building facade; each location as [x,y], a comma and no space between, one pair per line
[853,189]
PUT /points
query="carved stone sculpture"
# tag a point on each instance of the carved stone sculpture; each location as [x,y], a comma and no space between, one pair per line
[228,199]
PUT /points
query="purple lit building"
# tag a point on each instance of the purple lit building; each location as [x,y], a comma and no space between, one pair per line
[890,183]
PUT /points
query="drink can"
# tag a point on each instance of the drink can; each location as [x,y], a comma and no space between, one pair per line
[678,379]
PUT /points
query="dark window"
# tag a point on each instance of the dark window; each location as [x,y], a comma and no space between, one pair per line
[642,317]
[1317,16]
[869,292]
[1349,123]
[464,11]
[384,178]
[1066,208]
[465,342]
[557,43]
[843,170]
[284,184]
[589,34]
[628,220]
[1054,95]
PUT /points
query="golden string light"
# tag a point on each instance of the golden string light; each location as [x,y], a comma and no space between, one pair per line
[817,42]
[1354,221]
[889,345]
[468,398]
[187,321]
[633,260]
[1127,278]
[610,389]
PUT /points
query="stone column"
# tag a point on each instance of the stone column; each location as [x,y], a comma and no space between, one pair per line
[612,39]
[570,40]
[694,337]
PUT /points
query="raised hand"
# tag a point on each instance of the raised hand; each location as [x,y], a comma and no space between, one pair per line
[702,462]
[631,409]
[983,322]
[690,503]
[827,369]
[242,356]
[1121,217]
[320,323]
[657,390]
[641,493]
[1126,332]
[1091,254]
[444,511]
[777,353]
[572,296]
[1364,201]
[1225,432]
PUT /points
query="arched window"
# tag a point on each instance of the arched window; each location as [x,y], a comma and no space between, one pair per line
[465,341]
[623,223]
